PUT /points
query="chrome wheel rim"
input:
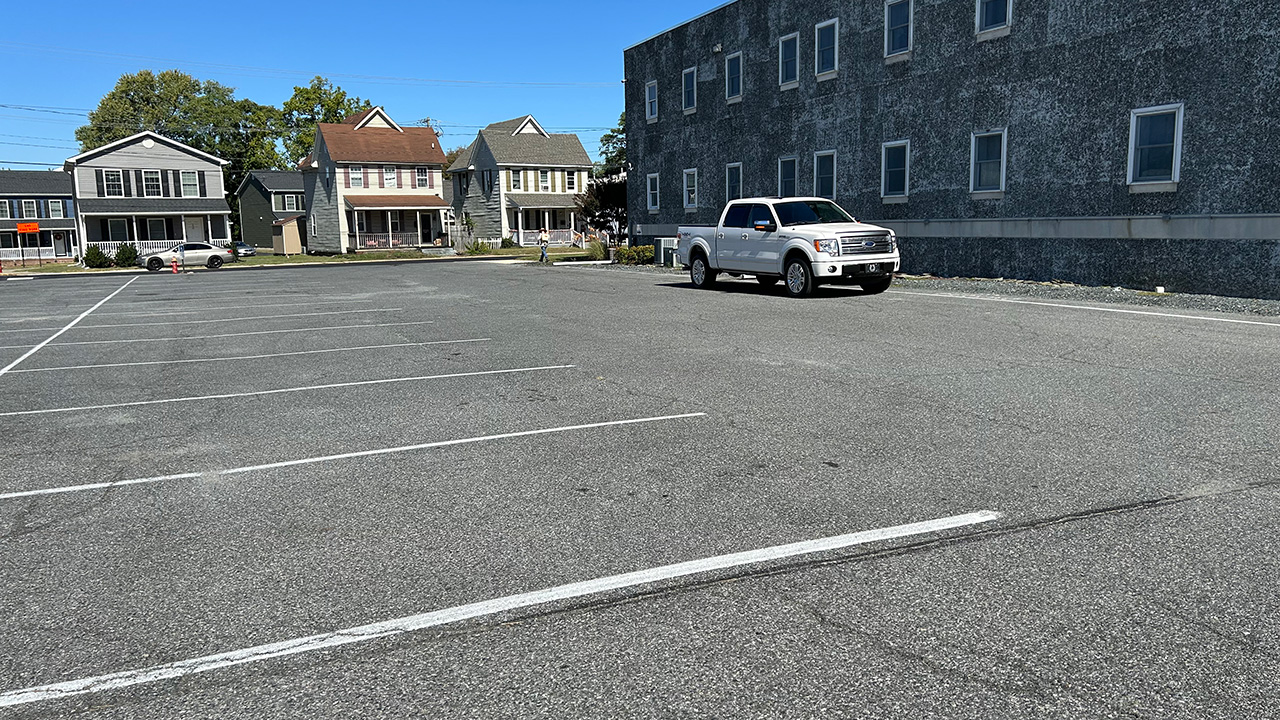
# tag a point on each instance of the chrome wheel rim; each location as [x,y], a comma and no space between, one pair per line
[699,272]
[795,278]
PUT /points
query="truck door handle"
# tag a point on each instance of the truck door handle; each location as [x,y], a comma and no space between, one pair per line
[719,236]
[744,236]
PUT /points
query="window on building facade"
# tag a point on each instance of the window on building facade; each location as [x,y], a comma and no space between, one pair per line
[787,177]
[56,209]
[544,180]
[895,168]
[29,210]
[311,221]
[151,183]
[4,210]
[1155,142]
[113,183]
[993,14]
[362,221]
[988,161]
[733,181]
[691,188]
[824,174]
[389,177]
[789,60]
[826,43]
[651,101]
[733,77]
[571,181]
[357,176]
[517,179]
[897,27]
[394,220]
[117,230]
[291,203]
[423,177]
[190,183]
[7,241]
[653,196]
[690,89]
[156,229]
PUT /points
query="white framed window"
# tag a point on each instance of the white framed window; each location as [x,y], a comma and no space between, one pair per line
[29,210]
[1155,144]
[190,183]
[994,15]
[4,209]
[824,174]
[898,27]
[291,203]
[117,230]
[691,188]
[544,180]
[422,177]
[156,229]
[7,242]
[357,176]
[653,184]
[517,179]
[733,181]
[55,209]
[311,221]
[151,183]
[690,94]
[571,180]
[362,221]
[733,77]
[988,153]
[895,169]
[826,44]
[113,183]
[651,101]
[787,176]
[789,61]
[394,220]
[390,178]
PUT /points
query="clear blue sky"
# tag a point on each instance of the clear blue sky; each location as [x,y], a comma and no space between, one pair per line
[69,57]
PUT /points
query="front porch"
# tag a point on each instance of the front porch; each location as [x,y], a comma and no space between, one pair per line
[558,217]
[154,233]
[395,223]
[44,246]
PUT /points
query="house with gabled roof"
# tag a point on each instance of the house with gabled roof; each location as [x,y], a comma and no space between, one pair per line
[371,184]
[151,191]
[272,204]
[517,179]
[41,198]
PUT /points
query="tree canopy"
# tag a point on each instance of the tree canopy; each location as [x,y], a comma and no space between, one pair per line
[613,149]
[319,102]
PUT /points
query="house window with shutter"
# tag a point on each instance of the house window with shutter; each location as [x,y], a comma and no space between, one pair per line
[423,176]
[155,229]
[544,180]
[291,203]
[357,176]
[389,176]
[4,210]
[516,177]
[29,209]
[395,221]
[361,221]
[190,183]
[113,183]
[117,230]
[151,183]
[55,209]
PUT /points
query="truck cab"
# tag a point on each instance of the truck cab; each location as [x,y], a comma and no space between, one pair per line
[803,241]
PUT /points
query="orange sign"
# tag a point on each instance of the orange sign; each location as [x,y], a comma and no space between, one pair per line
[28,227]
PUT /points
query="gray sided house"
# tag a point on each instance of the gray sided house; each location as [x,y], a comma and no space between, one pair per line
[516,179]
[151,191]
[271,201]
[1091,141]
[39,197]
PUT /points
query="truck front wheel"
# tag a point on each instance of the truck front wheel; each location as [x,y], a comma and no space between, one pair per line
[700,272]
[799,278]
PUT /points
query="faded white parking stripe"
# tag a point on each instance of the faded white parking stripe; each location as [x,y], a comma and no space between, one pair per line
[69,325]
[448,616]
[280,391]
[228,335]
[256,305]
[252,357]
[203,321]
[1094,308]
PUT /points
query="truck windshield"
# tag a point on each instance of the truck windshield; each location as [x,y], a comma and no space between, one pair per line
[810,212]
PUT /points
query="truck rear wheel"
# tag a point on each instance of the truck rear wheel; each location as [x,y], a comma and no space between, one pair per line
[799,277]
[700,272]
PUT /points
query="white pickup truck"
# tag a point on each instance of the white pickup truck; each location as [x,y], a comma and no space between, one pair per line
[804,241]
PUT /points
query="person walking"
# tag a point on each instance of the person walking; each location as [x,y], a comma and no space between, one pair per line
[544,239]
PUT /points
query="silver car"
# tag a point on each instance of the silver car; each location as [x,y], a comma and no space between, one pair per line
[188,254]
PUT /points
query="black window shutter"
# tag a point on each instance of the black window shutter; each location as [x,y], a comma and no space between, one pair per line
[106,233]
[128,183]
[102,188]
[138,183]
[202,187]
[164,183]
[168,229]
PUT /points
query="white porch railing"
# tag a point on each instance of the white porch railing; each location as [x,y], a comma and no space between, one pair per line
[555,238]
[146,247]
[391,241]
[31,254]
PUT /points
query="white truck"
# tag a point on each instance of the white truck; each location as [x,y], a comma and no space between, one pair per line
[804,241]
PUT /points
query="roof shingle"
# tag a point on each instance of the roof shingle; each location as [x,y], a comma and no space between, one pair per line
[34,182]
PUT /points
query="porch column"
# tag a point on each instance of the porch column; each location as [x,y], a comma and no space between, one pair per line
[520,226]
[388,229]
[208,229]
[355,219]
[137,239]
[183,219]
[572,222]
[417,217]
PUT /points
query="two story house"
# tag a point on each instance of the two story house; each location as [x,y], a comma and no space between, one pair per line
[148,190]
[517,179]
[370,184]
[272,205]
[42,198]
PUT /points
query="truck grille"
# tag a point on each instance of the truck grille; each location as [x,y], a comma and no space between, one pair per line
[866,244]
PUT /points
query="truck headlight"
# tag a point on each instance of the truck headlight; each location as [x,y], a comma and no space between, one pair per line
[830,247]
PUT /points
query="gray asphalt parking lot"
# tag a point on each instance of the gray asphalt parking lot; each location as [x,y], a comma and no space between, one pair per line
[298,434]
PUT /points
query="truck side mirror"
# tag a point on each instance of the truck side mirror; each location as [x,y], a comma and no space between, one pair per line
[765,226]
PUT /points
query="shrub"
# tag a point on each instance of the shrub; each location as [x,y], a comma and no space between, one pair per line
[509,243]
[126,255]
[639,255]
[625,256]
[95,258]
[644,255]
[477,247]
[596,250]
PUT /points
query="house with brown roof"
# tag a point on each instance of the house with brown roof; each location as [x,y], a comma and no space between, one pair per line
[371,184]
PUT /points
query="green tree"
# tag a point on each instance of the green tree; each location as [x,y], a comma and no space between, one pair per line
[613,149]
[604,204]
[319,102]
[451,156]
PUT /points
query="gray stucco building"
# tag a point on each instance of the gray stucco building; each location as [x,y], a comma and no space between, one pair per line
[1083,140]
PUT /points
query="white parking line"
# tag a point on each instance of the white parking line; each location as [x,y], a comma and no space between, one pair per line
[279,391]
[227,335]
[252,357]
[69,325]
[256,305]
[1094,308]
[448,616]
[241,319]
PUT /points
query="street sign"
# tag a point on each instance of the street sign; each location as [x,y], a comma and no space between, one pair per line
[28,228]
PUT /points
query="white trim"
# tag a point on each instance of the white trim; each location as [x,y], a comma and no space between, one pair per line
[684,90]
[394,182]
[527,122]
[106,186]
[1179,109]
[182,183]
[788,84]
[835,185]
[418,177]
[819,73]
[684,189]
[517,180]
[35,209]
[977,18]
[911,27]
[383,113]
[544,187]
[652,190]
[973,159]
[146,133]
[287,198]
[741,78]
[884,167]
[795,178]
[4,209]
[727,169]
[654,116]
[351,175]
[159,184]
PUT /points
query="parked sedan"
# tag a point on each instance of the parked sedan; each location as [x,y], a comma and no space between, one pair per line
[188,254]
[244,249]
